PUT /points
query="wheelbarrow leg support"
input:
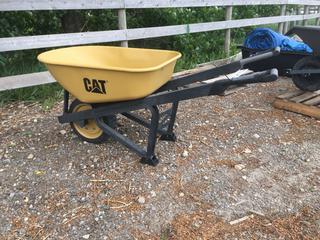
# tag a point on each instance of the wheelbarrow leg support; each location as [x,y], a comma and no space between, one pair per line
[170,135]
[66,101]
[150,158]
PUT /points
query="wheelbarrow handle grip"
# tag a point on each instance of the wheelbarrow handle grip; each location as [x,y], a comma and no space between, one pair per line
[262,56]
[258,77]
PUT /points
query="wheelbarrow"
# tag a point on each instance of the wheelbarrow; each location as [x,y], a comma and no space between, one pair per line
[106,81]
[304,68]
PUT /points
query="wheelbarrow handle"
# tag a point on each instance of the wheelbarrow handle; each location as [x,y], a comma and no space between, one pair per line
[262,56]
[258,77]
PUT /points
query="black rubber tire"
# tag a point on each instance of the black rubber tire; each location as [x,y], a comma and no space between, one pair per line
[307,82]
[111,121]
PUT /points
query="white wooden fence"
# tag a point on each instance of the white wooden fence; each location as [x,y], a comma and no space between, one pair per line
[124,35]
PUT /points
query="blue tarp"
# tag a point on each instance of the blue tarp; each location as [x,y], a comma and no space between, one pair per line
[265,38]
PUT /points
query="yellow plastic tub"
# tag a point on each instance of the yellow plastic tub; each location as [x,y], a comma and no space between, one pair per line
[96,74]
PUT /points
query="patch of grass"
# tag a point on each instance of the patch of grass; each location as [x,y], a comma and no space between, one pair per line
[15,63]
[47,95]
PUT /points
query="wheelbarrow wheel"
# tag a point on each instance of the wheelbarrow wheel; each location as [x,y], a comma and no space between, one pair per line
[307,82]
[89,130]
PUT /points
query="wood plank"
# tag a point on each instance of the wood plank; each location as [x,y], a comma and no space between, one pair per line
[25,80]
[55,40]
[208,3]
[195,3]
[297,108]
[313,102]
[220,62]
[303,97]
[291,94]
[58,40]
[234,89]
[207,65]
[22,5]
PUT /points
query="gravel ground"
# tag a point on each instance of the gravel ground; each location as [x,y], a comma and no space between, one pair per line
[239,170]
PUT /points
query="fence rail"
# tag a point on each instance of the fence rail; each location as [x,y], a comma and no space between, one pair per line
[55,40]
[22,5]
[124,35]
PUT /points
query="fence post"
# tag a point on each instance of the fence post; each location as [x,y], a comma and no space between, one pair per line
[282,13]
[292,23]
[286,24]
[297,13]
[228,31]
[318,19]
[122,24]
[306,11]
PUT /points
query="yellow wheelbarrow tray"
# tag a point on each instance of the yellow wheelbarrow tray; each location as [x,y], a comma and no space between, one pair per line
[100,74]
[95,121]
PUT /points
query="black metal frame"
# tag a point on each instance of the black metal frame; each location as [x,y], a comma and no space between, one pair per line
[286,61]
[310,35]
[176,90]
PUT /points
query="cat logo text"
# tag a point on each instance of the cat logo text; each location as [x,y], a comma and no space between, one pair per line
[95,86]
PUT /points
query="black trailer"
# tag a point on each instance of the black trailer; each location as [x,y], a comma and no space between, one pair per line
[304,68]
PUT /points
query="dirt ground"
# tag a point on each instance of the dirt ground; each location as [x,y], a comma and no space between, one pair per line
[239,170]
